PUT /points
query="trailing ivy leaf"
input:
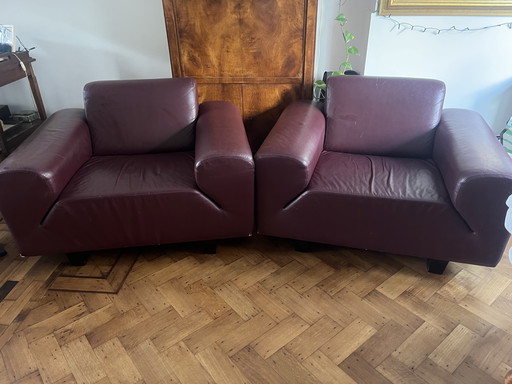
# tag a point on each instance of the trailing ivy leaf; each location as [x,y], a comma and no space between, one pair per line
[346,65]
[341,18]
[353,50]
[320,84]
[348,36]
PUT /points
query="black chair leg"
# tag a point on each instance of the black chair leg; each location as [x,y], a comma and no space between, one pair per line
[78,259]
[304,246]
[3,252]
[436,266]
[209,247]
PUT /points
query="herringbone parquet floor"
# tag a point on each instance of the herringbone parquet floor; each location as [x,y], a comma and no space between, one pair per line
[258,312]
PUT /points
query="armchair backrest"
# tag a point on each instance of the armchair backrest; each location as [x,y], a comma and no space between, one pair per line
[141,116]
[383,115]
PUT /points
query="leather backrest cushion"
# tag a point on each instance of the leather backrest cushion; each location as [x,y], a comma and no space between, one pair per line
[383,115]
[141,116]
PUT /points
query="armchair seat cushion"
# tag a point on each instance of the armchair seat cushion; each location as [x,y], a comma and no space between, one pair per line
[394,205]
[381,177]
[135,190]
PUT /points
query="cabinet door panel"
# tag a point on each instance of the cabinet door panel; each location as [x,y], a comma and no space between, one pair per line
[263,103]
[226,92]
[273,38]
[209,37]
[257,54]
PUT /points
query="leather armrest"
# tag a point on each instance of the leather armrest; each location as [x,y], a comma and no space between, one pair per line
[224,166]
[33,176]
[476,169]
[287,158]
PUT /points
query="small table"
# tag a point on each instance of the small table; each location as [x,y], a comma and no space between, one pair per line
[11,71]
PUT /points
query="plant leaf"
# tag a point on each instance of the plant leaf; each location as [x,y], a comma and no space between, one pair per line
[346,65]
[320,84]
[341,18]
[353,50]
[348,36]
[337,73]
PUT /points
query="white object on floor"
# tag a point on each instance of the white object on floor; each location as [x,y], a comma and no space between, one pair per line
[508,222]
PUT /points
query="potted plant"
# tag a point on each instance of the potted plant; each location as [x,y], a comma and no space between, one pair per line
[320,86]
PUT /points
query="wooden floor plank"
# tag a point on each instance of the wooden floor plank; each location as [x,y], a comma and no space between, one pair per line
[185,365]
[85,324]
[151,364]
[277,337]
[178,330]
[212,332]
[291,370]
[204,297]
[237,300]
[396,372]
[83,362]
[382,344]
[116,363]
[246,333]
[220,367]
[325,370]
[360,371]
[144,330]
[19,361]
[257,312]
[256,368]
[50,359]
[341,346]
[55,322]
[413,351]
[313,338]
[454,349]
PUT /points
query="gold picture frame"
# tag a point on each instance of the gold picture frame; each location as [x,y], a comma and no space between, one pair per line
[446,7]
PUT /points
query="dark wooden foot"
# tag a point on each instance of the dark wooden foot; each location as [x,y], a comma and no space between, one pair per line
[209,247]
[78,259]
[3,252]
[436,266]
[304,246]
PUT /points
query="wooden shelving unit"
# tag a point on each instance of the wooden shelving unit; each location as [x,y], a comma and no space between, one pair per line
[10,71]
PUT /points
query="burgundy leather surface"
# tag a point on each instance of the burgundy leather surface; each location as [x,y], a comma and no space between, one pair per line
[387,204]
[379,177]
[382,115]
[224,166]
[122,201]
[62,198]
[477,173]
[287,158]
[449,205]
[33,176]
[141,116]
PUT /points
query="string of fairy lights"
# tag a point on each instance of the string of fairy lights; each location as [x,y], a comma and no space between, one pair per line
[420,28]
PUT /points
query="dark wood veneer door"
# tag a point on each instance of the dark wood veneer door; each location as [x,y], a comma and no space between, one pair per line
[256,53]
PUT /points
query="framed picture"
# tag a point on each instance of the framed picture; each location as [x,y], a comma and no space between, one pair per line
[446,7]
[7,38]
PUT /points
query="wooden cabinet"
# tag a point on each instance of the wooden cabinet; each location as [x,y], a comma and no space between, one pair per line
[256,53]
[10,71]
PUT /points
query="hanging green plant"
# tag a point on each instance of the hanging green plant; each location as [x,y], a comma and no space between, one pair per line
[320,85]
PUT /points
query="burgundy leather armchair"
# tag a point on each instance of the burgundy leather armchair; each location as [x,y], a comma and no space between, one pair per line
[386,169]
[143,164]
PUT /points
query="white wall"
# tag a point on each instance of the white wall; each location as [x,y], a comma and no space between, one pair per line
[476,66]
[85,40]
